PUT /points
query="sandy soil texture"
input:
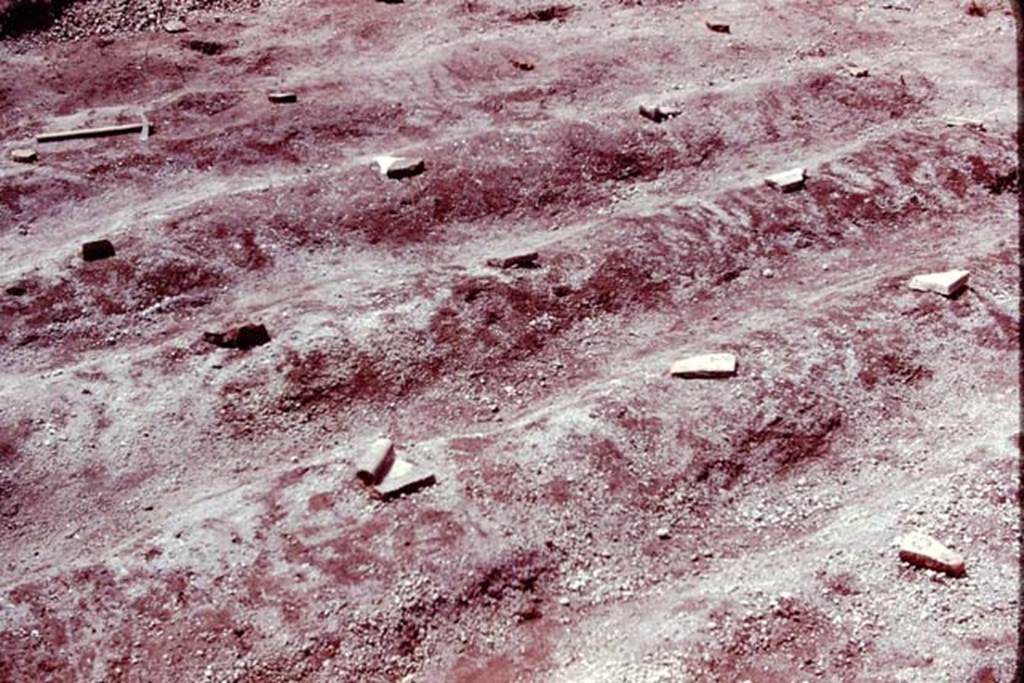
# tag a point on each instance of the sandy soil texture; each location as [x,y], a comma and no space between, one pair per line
[174,509]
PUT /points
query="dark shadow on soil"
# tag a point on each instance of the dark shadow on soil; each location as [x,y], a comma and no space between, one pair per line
[31,16]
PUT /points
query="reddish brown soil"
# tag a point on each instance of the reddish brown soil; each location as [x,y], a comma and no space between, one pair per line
[171,510]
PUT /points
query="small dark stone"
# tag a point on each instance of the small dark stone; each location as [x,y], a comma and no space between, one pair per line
[528,260]
[283,97]
[15,290]
[98,250]
[206,47]
[244,337]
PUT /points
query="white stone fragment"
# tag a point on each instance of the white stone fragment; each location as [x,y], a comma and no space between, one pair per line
[787,181]
[706,365]
[922,550]
[947,283]
[388,476]
[398,167]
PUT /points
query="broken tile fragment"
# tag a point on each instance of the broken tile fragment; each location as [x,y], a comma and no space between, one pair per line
[282,97]
[244,337]
[705,366]
[922,550]
[659,113]
[388,476]
[24,155]
[528,260]
[175,26]
[947,283]
[718,26]
[399,167]
[97,250]
[787,181]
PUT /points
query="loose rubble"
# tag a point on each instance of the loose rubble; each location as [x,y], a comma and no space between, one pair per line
[718,26]
[175,26]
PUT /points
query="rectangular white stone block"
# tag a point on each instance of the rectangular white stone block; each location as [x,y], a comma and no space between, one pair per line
[947,283]
[706,365]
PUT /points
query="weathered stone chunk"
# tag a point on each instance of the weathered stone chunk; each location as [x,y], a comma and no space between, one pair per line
[399,167]
[283,97]
[528,260]
[175,26]
[718,26]
[388,476]
[24,155]
[787,181]
[706,365]
[98,250]
[244,337]
[659,113]
[922,550]
[948,283]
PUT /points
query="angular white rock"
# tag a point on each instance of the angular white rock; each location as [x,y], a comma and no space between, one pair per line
[787,181]
[24,155]
[922,550]
[947,283]
[404,477]
[175,26]
[388,476]
[706,365]
[398,167]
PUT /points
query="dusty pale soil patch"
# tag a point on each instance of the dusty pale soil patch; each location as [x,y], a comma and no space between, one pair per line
[171,510]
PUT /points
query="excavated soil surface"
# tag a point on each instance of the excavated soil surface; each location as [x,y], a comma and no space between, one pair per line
[175,511]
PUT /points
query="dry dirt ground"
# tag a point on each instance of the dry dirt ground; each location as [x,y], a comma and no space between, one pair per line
[175,511]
